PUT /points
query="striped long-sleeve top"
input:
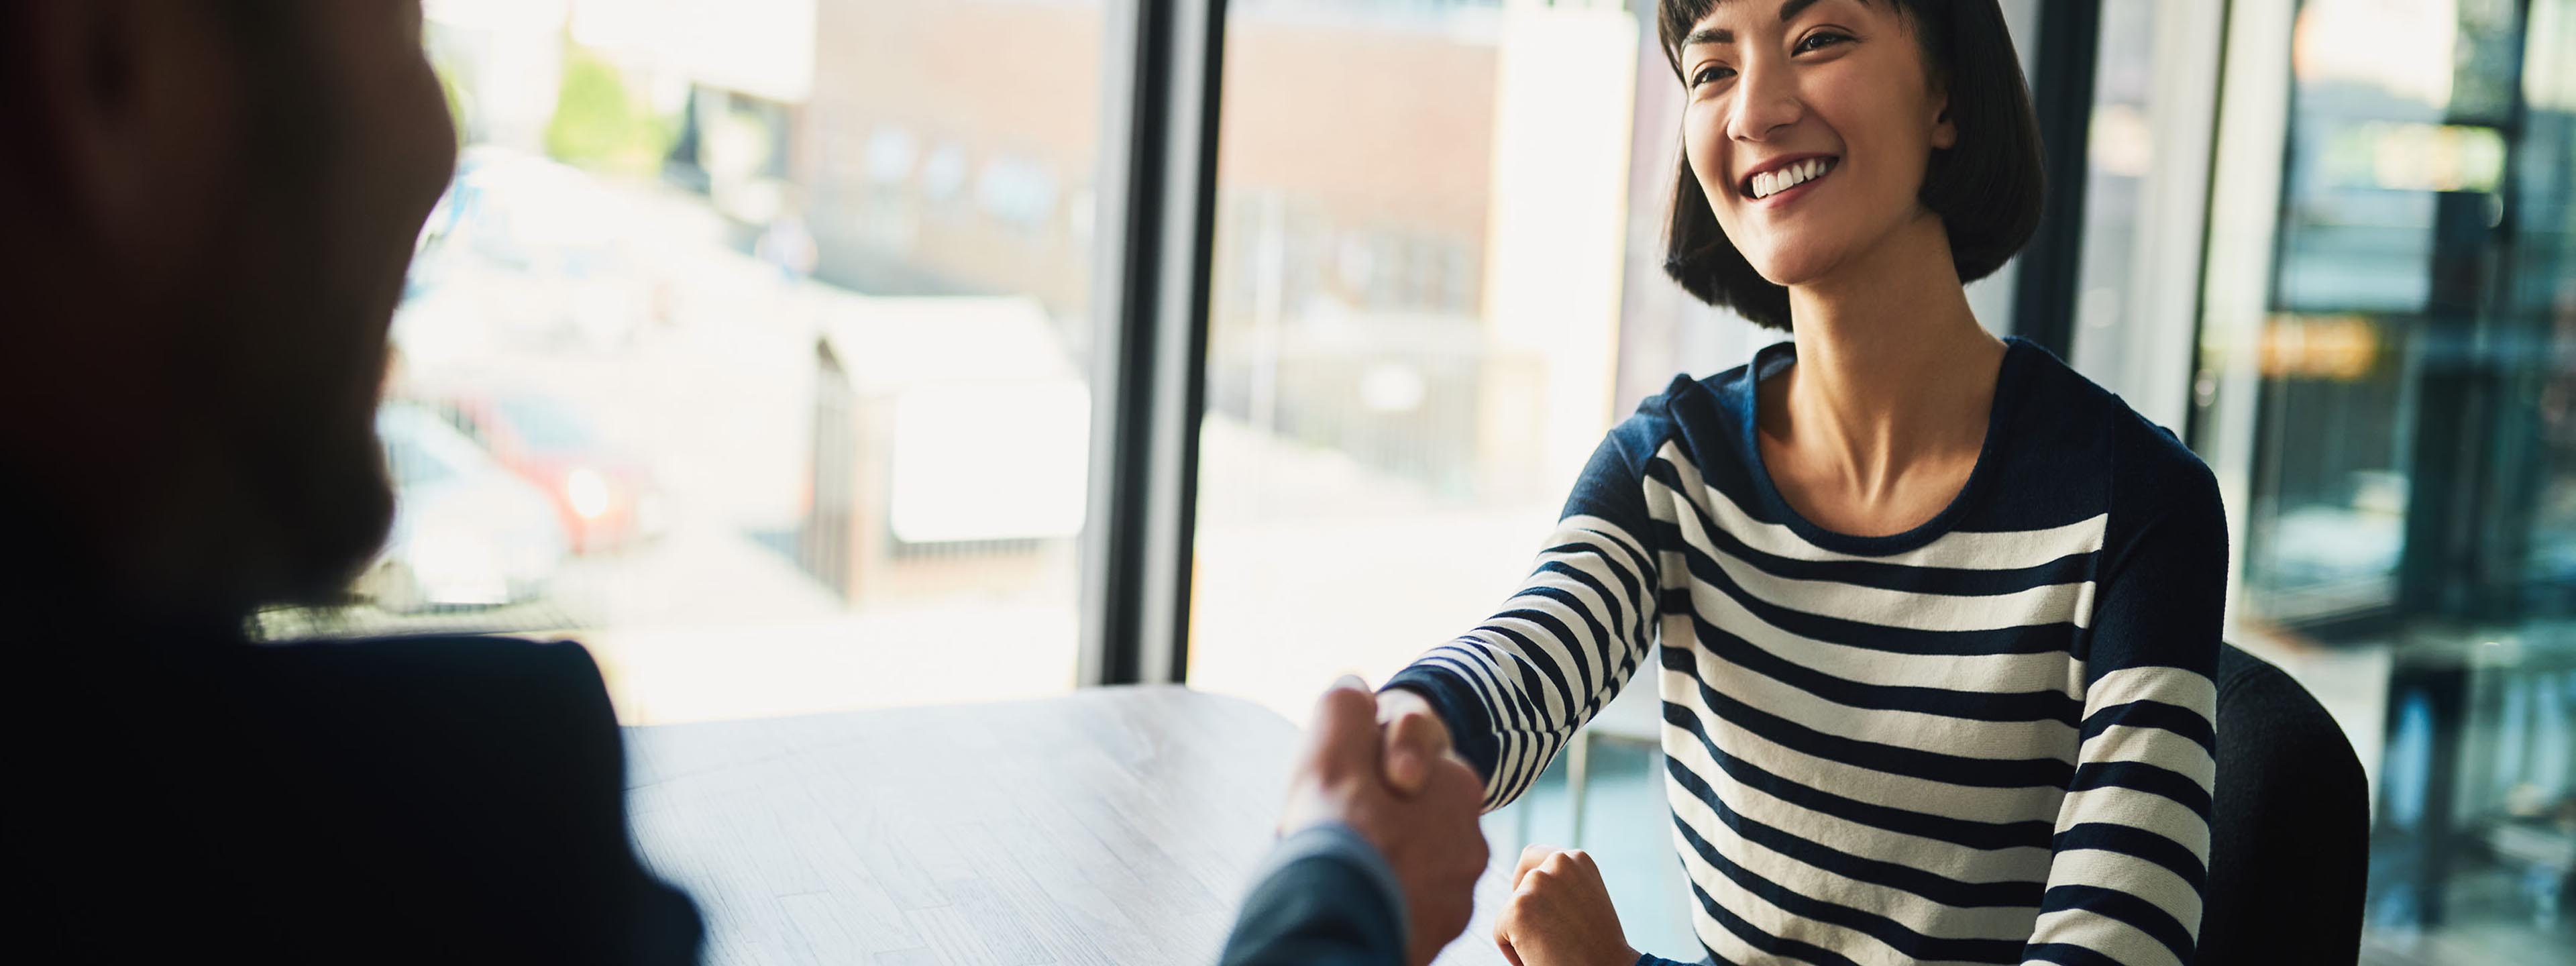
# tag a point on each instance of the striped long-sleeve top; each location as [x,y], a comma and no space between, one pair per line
[1988,739]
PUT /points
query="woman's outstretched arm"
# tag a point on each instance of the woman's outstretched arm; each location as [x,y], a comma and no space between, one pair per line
[1512,690]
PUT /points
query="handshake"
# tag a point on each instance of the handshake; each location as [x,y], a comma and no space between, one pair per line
[1383,766]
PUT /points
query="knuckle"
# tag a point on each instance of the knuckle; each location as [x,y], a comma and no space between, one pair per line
[1341,701]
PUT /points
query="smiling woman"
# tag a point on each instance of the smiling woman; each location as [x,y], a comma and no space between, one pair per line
[1932,616]
[1983,183]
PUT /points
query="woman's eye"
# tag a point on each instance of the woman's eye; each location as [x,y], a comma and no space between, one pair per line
[1712,74]
[1819,40]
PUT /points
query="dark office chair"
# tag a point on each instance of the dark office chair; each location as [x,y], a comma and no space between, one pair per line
[2289,827]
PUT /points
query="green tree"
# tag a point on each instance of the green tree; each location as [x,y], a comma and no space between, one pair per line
[456,106]
[597,122]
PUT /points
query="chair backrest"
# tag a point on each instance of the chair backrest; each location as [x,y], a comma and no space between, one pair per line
[2289,826]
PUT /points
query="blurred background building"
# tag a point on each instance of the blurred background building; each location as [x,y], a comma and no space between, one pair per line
[751,345]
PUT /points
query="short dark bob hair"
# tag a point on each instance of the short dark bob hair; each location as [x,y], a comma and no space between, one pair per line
[1986,189]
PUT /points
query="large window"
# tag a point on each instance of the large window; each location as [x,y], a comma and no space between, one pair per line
[1415,305]
[1437,282]
[748,348]
[2394,394]
[1425,227]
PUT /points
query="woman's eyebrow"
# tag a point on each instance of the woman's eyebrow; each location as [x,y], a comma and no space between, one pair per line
[1719,35]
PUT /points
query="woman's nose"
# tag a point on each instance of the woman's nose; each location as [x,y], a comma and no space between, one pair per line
[1766,101]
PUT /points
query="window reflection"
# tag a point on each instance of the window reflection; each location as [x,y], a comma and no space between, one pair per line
[2414,470]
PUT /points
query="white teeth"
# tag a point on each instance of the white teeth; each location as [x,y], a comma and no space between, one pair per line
[1771,183]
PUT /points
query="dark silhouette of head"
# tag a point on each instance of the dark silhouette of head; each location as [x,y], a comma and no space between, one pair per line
[206,214]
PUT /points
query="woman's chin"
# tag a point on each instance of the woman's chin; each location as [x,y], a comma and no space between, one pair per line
[1790,270]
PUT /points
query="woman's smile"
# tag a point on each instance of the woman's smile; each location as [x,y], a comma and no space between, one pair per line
[1786,179]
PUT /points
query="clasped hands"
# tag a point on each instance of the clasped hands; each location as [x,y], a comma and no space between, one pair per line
[1384,765]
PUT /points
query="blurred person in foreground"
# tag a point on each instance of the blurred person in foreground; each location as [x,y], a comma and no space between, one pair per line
[206,214]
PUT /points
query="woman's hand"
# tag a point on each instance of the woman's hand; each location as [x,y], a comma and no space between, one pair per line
[1414,737]
[1560,913]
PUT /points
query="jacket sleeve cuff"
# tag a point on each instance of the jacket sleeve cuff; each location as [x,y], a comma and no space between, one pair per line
[1342,845]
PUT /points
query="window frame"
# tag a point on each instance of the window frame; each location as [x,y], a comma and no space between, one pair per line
[1150,309]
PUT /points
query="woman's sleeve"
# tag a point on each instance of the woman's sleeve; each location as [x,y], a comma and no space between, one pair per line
[1514,689]
[2132,835]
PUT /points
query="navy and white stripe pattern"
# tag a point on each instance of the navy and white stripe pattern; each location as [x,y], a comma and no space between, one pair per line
[1986,741]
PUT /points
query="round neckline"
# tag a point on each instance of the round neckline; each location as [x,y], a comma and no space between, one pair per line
[1777,357]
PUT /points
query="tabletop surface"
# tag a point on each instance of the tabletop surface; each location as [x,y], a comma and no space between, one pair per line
[1110,826]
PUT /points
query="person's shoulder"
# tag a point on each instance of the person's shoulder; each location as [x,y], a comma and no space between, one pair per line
[1691,408]
[508,698]
[1685,391]
[471,662]
[2154,475]
[502,766]
[2146,459]
[2052,392]
[2077,442]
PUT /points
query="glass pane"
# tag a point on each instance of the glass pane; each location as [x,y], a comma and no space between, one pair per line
[1424,250]
[2413,494]
[746,348]
[2146,194]
[2120,156]
[1420,233]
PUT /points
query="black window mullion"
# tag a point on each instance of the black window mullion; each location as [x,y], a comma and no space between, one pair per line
[2044,290]
[1150,311]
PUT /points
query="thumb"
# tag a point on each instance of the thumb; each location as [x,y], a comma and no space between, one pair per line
[1411,746]
[1343,739]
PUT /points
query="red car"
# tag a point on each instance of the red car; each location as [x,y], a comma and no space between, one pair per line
[605,499]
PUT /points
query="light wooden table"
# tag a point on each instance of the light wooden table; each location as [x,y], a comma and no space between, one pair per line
[1112,826]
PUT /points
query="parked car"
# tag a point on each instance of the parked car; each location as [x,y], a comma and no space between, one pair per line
[467,532]
[605,499]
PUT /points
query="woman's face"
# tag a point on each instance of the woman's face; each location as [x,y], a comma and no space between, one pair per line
[1809,125]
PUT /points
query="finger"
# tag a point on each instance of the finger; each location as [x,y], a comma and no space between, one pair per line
[1580,859]
[1574,864]
[1412,747]
[1538,880]
[1530,859]
[1344,736]
[1503,938]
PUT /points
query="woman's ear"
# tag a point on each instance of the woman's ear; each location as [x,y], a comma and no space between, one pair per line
[1945,132]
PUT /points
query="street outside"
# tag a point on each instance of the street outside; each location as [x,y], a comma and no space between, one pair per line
[1310,564]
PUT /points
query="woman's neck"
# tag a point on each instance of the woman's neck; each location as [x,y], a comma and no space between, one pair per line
[1893,370]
